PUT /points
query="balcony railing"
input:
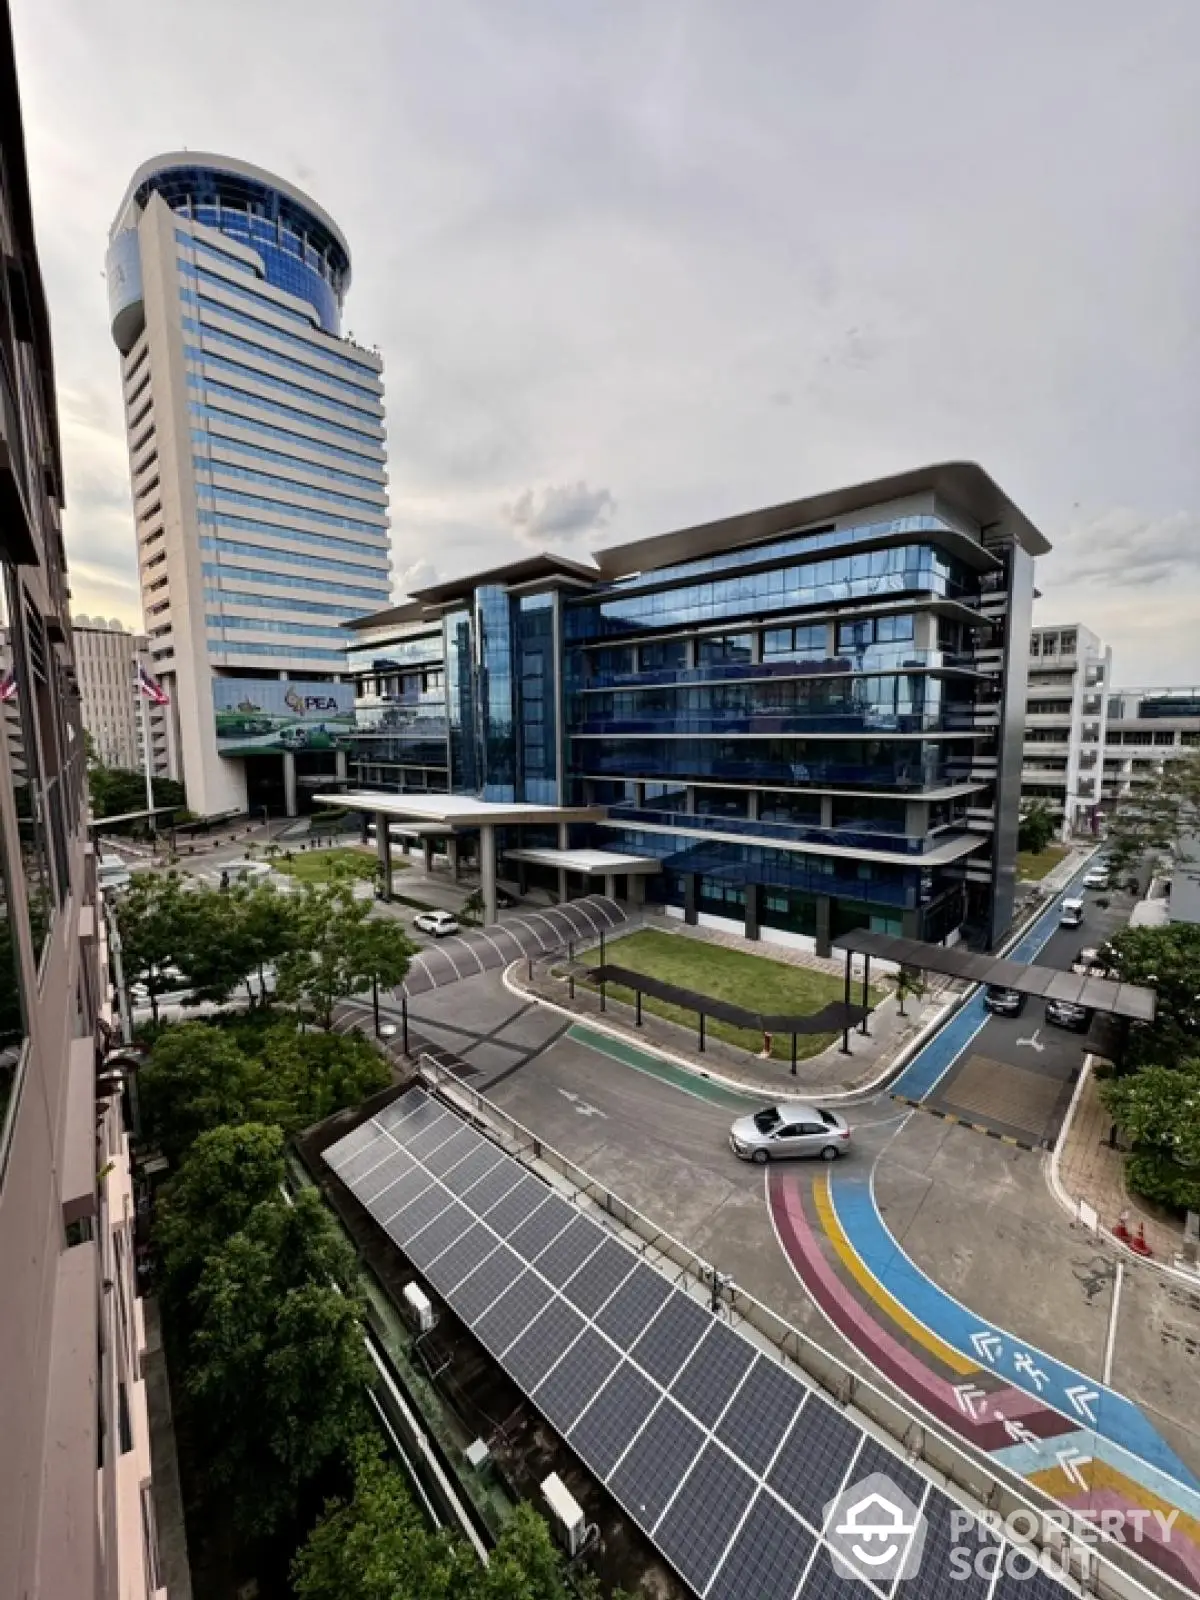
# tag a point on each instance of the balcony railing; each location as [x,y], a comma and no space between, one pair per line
[789,832]
[873,660]
[772,725]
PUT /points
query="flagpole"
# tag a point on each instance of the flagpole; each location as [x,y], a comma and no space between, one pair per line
[147,766]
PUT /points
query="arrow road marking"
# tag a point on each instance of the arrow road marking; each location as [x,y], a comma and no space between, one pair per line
[1079,1395]
[1025,1363]
[584,1108]
[967,1394]
[1034,1041]
[987,1345]
[1071,1461]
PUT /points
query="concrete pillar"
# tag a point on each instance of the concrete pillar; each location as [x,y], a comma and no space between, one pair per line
[827,811]
[610,885]
[691,897]
[752,805]
[637,888]
[753,896]
[910,924]
[487,871]
[427,847]
[916,818]
[824,925]
[564,892]
[364,822]
[564,836]
[452,853]
[341,767]
[383,846]
[289,784]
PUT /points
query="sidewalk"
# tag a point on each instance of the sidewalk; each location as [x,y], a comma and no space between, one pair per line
[1090,1171]
[828,1074]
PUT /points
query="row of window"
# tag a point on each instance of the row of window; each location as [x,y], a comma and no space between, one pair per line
[868,763]
[292,558]
[274,531]
[872,573]
[357,392]
[242,447]
[371,424]
[238,647]
[903,693]
[270,625]
[225,257]
[272,480]
[209,386]
[239,597]
[278,580]
[209,281]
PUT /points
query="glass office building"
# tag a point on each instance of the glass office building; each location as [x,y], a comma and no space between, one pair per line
[256,449]
[809,716]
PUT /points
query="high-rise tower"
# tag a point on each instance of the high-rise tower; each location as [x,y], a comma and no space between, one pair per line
[256,450]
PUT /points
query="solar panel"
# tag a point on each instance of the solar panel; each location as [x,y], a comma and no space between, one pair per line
[646,1476]
[633,1305]
[767,1556]
[939,1580]
[719,1363]
[504,1322]
[590,1362]
[634,1372]
[671,1337]
[542,1344]
[760,1413]
[815,1457]
[704,1515]
[616,1413]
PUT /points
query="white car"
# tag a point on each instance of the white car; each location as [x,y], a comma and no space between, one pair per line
[1097,878]
[112,873]
[244,871]
[439,924]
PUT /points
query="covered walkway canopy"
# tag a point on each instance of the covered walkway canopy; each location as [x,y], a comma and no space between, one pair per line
[460,812]
[1098,994]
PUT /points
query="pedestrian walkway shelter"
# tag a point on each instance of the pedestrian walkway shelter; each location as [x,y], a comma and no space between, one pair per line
[463,813]
[1116,999]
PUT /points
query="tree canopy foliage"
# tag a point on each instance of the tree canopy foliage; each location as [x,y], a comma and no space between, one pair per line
[1159,1108]
[1037,827]
[115,790]
[1166,960]
[1161,815]
[338,950]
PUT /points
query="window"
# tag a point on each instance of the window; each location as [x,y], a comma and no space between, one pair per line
[807,641]
[859,635]
[894,630]
[663,655]
[725,648]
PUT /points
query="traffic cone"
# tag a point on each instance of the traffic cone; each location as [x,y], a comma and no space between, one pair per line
[1121,1232]
[1139,1244]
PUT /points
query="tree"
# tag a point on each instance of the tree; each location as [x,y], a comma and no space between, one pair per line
[151,917]
[1166,960]
[1161,815]
[334,956]
[1159,1108]
[1037,827]
[230,936]
[196,1079]
[472,907]
[226,1173]
[278,1367]
[306,1077]
[908,983]
[114,790]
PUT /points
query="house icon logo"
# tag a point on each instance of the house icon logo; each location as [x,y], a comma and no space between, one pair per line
[874,1531]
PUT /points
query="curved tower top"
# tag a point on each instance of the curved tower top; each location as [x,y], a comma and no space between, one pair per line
[301,248]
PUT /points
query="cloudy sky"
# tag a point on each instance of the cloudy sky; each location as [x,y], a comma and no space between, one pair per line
[634,264]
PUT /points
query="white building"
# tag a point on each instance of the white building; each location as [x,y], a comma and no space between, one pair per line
[1065,716]
[256,449]
[1146,727]
[106,658]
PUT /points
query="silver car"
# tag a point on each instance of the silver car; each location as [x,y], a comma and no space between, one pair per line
[789,1129]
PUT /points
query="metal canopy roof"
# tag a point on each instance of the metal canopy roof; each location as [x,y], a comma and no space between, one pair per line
[459,810]
[1098,994]
[589,862]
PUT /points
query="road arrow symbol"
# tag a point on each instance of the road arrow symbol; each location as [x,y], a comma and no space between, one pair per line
[987,1345]
[1071,1461]
[584,1108]
[1034,1041]
[1079,1395]
[967,1394]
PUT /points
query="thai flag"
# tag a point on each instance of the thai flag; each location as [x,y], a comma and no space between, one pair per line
[8,687]
[151,688]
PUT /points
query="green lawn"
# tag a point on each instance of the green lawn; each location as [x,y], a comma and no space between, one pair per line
[1037,866]
[758,984]
[320,866]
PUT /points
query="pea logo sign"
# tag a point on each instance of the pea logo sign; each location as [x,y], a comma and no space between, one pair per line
[874,1530]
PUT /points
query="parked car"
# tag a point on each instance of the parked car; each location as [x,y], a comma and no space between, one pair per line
[173,989]
[1070,913]
[245,871]
[1004,1002]
[112,874]
[789,1129]
[1097,878]
[1066,1014]
[440,924]
[1089,964]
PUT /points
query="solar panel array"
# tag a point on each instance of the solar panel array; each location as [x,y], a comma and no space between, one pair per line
[721,1455]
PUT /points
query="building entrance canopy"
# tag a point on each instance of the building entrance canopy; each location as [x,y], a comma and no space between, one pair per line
[1098,994]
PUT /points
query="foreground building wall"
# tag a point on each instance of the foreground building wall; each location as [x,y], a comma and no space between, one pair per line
[256,453]
[811,716]
[75,1500]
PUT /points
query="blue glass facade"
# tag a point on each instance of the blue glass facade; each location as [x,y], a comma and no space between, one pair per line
[807,731]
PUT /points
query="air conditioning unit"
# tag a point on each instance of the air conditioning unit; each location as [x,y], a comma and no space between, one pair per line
[418,1307]
[565,1514]
[477,1454]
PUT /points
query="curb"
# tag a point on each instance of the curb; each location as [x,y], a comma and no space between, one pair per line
[1057,1189]
[834,1097]
[976,1127]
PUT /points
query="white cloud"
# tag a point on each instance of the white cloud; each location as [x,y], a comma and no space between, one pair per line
[560,513]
